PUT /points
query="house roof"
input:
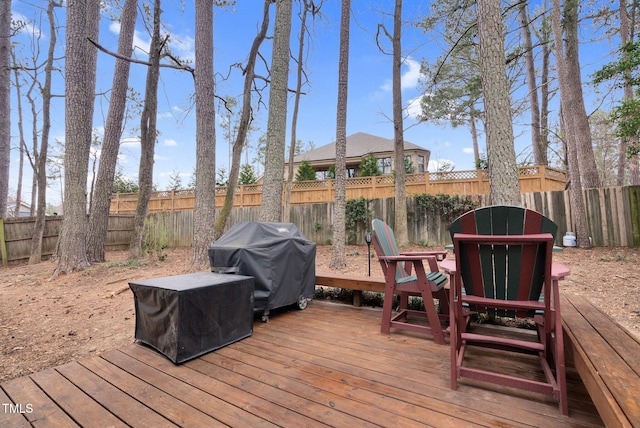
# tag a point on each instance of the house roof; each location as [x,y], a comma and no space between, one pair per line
[359,145]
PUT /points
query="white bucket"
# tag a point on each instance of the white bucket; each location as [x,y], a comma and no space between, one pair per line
[569,239]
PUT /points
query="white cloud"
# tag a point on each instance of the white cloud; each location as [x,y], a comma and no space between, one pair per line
[130,141]
[409,78]
[26,25]
[170,142]
[141,44]
[468,150]
[183,46]
[414,109]
[138,42]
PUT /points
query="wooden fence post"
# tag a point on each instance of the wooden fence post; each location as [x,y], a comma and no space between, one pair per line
[3,244]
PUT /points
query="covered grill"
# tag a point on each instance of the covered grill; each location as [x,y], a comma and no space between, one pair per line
[280,258]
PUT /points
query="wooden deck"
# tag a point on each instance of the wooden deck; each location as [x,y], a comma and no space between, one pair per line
[326,365]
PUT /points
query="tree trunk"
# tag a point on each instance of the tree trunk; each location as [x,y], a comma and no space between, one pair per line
[204,214]
[536,139]
[271,208]
[577,202]
[5,103]
[23,144]
[243,126]
[401,232]
[627,90]
[296,106]
[503,170]
[99,212]
[339,225]
[474,136]
[147,137]
[41,158]
[80,71]
[574,109]
[544,93]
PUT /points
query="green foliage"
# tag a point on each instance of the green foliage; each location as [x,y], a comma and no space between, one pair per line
[156,237]
[626,117]
[625,71]
[331,172]
[317,226]
[369,166]
[408,165]
[175,181]
[222,179]
[357,213]
[247,175]
[481,162]
[449,207]
[122,184]
[305,172]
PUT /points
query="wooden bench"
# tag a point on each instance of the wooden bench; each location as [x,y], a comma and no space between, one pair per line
[607,357]
[351,282]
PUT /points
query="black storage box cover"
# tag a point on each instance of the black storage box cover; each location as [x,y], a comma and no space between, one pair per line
[280,258]
[185,316]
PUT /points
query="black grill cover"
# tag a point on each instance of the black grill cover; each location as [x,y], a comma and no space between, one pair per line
[277,255]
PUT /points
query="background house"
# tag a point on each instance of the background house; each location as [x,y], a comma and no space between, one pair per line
[24,210]
[360,145]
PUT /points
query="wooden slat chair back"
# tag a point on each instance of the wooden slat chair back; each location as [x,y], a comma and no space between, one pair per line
[405,274]
[503,269]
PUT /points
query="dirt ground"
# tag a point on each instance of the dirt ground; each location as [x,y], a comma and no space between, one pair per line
[46,322]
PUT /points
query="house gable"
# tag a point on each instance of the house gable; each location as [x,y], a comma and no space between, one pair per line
[360,145]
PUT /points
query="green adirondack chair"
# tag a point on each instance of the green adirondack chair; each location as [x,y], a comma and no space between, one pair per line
[399,279]
[503,269]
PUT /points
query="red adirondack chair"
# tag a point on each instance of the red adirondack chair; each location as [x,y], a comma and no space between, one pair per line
[503,269]
[429,284]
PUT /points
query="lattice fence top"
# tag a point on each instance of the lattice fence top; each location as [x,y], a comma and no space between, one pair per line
[312,184]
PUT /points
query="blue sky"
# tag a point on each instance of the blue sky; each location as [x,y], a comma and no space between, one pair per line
[369,102]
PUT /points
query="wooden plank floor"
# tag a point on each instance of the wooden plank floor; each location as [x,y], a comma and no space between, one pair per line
[326,365]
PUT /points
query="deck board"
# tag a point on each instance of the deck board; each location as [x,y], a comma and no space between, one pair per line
[326,365]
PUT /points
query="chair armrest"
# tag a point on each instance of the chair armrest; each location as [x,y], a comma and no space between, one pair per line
[439,254]
[559,271]
[407,257]
[414,259]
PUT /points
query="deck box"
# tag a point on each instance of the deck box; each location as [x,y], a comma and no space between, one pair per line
[185,316]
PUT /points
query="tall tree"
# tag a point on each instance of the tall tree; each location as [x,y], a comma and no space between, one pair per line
[83,17]
[401,232]
[625,37]
[503,171]
[244,123]
[40,170]
[339,217]
[271,208]
[307,7]
[22,144]
[99,213]
[204,214]
[453,89]
[539,148]
[566,98]
[5,102]
[574,110]
[544,36]
[148,131]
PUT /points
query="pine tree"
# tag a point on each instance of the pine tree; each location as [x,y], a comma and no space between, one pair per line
[305,172]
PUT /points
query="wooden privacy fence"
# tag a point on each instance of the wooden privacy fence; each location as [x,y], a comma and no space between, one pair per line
[474,182]
[613,214]
[15,236]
